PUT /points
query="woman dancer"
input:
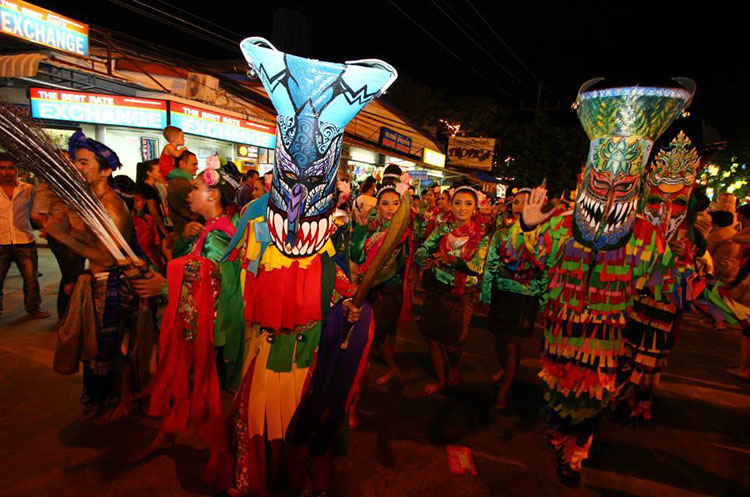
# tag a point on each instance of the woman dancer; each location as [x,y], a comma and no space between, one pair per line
[513,285]
[204,311]
[455,253]
[390,297]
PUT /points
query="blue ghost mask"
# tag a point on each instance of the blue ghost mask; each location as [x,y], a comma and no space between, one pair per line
[315,100]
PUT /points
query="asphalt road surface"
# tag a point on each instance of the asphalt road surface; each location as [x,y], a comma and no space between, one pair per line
[697,445]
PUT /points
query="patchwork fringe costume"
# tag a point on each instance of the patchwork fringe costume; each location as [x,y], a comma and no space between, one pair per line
[300,361]
[653,322]
[650,332]
[598,257]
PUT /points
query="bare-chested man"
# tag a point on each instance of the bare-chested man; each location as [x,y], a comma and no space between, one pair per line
[100,352]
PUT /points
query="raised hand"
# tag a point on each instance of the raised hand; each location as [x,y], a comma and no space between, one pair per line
[532,214]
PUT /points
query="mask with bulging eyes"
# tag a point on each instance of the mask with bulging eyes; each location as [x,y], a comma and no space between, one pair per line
[622,124]
[315,100]
[669,185]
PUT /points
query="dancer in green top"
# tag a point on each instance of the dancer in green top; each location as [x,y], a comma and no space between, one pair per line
[514,285]
[454,254]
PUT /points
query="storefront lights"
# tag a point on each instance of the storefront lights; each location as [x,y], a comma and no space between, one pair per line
[433,157]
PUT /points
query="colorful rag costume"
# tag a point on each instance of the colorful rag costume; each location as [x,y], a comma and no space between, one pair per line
[450,291]
[186,383]
[298,377]
[652,324]
[598,257]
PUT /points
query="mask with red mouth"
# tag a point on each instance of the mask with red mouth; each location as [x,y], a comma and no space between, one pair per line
[315,100]
[622,124]
[669,184]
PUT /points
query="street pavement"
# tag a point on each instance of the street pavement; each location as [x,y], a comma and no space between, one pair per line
[697,445]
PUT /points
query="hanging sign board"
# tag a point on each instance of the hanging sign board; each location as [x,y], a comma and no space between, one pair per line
[396,141]
[211,124]
[96,108]
[433,157]
[475,153]
[43,27]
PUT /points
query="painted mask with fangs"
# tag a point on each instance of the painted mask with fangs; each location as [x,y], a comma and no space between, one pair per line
[622,124]
[669,184]
[315,100]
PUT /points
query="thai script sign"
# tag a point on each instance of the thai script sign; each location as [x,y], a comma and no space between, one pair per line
[475,153]
[395,141]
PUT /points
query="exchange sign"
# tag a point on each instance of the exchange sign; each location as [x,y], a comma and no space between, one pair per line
[44,27]
[202,122]
[134,112]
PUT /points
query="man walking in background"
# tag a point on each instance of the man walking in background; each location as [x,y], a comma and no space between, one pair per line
[17,242]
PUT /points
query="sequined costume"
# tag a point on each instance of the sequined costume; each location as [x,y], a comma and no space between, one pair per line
[514,285]
[300,360]
[390,296]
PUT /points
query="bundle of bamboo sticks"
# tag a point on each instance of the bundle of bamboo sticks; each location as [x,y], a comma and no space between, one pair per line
[32,148]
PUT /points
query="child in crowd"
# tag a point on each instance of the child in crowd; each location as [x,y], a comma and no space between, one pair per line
[146,230]
[172,150]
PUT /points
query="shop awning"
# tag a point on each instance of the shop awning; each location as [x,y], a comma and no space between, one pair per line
[24,65]
[487,177]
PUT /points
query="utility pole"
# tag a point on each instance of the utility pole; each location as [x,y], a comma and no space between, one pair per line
[539,99]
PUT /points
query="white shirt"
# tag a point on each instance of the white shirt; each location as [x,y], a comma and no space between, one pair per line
[15,215]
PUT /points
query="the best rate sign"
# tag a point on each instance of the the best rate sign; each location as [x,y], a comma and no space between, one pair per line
[59,105]
[202,122]
[44,27]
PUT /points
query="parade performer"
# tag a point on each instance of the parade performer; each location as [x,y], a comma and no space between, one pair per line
[513,284]
[292,285]
[101,305]
[652,324]
[203,316]
[427,209]
[598,257]
[452,256]
[390,297]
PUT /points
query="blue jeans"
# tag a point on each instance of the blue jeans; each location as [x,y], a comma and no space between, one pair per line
[25,257]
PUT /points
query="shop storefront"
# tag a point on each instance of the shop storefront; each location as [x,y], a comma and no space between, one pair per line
[131,126]
[362,159]
[250,144]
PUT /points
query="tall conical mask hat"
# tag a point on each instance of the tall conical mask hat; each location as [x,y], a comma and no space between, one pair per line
[669,184]
[622,124]
[315,100]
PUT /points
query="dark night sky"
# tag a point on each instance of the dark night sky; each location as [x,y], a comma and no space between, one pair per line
[564,43]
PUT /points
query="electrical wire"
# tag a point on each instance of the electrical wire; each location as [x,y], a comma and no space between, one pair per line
[507,47]
[479,45]
[181,58]
[184,21]
[447,49]
[176,25]
[207,21]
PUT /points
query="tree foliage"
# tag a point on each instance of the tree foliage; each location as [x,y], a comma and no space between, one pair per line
[551,146]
